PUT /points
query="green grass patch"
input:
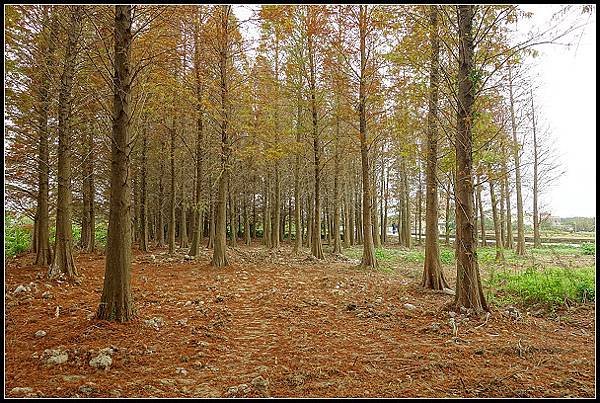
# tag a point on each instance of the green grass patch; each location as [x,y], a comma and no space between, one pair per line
[551,287]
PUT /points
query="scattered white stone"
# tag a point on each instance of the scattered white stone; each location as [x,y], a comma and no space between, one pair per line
[56,357]
[182,371]
[40,333]
[187,303]
[156,322]
[260,383]
[379,300]
[19,391]
[102,361]
[57,312]
[410,307]
[20,289]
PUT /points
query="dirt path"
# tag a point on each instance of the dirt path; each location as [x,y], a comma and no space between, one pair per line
[272,325]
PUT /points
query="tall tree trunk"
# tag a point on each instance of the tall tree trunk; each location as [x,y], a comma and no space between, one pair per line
[297,202]
[144,192]
[183,236]
[116,302]
[198,210]
[316,247]
[447,217]
[219,258]
[161,193]
[481,213]
[469,291]
[368,257]
[337,241]
[497,224]
[537,241]
[433,275]
[172,194]
[88,236]
[43,251]
[63,262]
[501,212]
[520,248]
[509,231]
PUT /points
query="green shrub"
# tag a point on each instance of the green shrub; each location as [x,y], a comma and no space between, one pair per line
[550,286]
[447,256]
[17,239]
[101,231]
[588,248]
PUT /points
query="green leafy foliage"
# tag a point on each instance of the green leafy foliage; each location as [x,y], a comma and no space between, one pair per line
[17,239]
[588,248]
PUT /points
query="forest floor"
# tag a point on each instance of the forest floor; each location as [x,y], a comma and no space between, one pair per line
[272,324]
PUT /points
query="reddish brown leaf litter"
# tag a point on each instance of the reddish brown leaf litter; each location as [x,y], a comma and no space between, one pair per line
[273,324]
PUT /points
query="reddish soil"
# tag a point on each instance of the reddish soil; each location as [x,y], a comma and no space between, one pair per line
[318,329]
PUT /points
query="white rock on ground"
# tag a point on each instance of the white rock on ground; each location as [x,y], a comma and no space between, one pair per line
[410,307]
[19,391]
[40,333]
[20,289]
[56,357]
[102,361]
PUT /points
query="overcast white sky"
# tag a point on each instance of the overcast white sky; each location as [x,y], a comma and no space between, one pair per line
[566,97]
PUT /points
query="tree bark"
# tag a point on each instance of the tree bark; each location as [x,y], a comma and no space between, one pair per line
[520,247]
[144,192]
[219,258]
[469,291]
[537,241]
[198,210]
[368,257]
[42,240]
[172,194]
[496,219]
[433,275]
[316,247]
[63,262]
[116,302]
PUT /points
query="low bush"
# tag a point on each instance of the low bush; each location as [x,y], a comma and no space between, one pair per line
[17,239]
[588,248]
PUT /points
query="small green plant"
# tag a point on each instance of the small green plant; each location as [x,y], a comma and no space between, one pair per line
[447,256]
[588,248]
[101,230]
[17,239]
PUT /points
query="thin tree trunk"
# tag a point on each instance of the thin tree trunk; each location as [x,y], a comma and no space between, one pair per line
[496,219]
[481,214]
[520,247]
[172,194]
[537,241]
[219,258]
[433,275]
[198,210]
[116,302]
[63,262]
[316,247]
[368,257]
[42,240]
[144,193]
[469,291]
